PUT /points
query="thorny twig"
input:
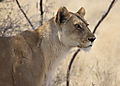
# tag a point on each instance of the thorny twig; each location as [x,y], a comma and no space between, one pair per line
[75,54]
[24,14]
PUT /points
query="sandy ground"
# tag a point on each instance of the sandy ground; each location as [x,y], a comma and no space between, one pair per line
[101,65]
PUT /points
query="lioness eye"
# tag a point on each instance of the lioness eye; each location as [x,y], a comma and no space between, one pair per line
[78,26]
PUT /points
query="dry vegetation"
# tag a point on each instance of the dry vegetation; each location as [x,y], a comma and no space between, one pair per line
[11,20]
[100,66]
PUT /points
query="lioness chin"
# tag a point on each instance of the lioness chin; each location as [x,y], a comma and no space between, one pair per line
[31,57]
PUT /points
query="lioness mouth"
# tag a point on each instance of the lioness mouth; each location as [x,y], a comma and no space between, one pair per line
[85,47]
[88,46]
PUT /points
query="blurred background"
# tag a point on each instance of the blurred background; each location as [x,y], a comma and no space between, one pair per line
[98,67]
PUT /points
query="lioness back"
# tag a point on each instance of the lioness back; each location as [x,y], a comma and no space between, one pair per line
[31,57]
[5,62]
[20,60]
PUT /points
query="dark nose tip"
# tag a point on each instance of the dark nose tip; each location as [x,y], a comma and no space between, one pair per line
[91,39]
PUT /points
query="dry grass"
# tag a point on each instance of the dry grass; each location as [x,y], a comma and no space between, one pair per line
[100,66]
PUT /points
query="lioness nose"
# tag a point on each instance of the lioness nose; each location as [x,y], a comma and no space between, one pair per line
[91,39]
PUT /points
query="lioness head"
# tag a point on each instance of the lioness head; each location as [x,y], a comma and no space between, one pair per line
[74,31]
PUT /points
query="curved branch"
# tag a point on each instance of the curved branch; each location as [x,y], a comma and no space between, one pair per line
[70,65]
[103,17]
[24,14]
[99,22]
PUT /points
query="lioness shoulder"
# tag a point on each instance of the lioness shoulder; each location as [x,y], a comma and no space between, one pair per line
[31,57]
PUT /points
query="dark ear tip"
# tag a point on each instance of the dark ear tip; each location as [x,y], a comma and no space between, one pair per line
[62,8]
[81,11]
[62,15]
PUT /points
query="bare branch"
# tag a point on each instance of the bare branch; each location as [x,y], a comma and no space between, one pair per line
[69,67]
[41,11]
[41,7]
[99,22]
[103,17]
[24,14]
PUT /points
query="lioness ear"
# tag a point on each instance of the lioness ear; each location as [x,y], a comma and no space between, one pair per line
[81,12]
[62,15]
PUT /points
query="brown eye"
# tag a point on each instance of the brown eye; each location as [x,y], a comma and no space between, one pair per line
[77,26]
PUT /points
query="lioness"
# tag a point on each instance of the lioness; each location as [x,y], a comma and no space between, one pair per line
[31,57]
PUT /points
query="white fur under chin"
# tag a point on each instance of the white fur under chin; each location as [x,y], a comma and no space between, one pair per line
[86,49]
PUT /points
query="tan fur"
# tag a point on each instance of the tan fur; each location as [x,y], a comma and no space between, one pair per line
[30,58]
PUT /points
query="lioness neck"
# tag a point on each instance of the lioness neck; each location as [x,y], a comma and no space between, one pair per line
[53,50]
